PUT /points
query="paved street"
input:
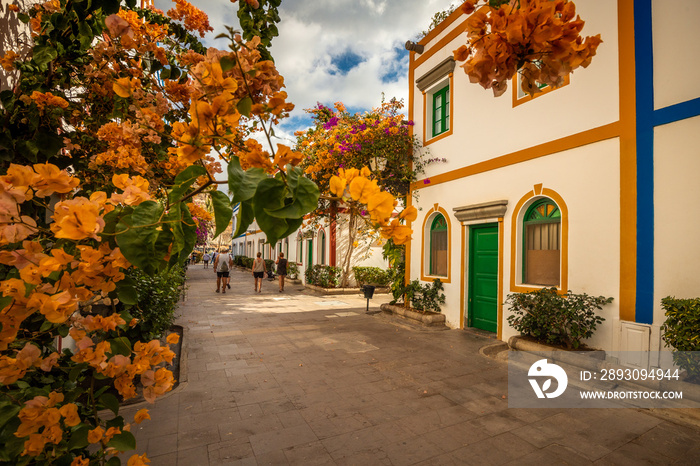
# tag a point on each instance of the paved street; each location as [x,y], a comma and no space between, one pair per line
[299,378]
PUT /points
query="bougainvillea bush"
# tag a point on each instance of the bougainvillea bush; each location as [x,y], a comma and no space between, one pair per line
[359,160]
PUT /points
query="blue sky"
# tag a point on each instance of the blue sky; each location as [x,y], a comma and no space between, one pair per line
[335,50]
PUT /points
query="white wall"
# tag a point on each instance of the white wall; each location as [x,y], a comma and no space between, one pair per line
[676,221]
[587,178]
[676,51]
[486,127]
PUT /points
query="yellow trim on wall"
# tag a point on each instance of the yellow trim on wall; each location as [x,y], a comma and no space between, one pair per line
[501,236]
[463,275]
[583,138]
[516,252]
[423,275]
[628,161]
[441,27]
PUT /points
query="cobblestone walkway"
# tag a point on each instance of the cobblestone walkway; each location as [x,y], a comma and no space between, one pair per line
[297,378]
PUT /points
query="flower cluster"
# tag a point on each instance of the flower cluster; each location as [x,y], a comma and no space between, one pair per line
[381,137]
[353,185]
[540,39]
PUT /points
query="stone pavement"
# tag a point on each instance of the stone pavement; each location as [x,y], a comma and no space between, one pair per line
[298,378]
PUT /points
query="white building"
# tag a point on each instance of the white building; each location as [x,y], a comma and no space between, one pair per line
[586,187]
[309,246]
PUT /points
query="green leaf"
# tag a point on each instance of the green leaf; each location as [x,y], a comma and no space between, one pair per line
[137,233]
[124,441]
[114,461]
[79,437]
[85,34]
[110,402]
[246,215]
[5,301]
[120,345]
[305,196]
[44,54]
[75,372]
[126,291]
[226,63]
[222,211]
[245,105]
[243,184]
[270,194]
[7,412]
[184,181]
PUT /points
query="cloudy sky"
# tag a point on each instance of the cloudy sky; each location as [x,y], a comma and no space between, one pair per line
[336,50]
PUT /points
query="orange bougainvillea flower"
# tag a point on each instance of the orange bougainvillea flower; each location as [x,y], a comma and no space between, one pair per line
[124,87]
[141,415]
[194,18]
[77,219]
[95,435]
[285,156]
[409,214]
[118,26]
[52,179]
[380,207]
[538,39]
[172,339]
[8,60]
[337,186]
[362,189]
[70,413]
[138,460]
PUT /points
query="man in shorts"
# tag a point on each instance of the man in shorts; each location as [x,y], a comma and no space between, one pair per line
[222,265]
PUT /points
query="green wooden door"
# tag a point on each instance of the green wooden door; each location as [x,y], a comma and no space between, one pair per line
[483,277]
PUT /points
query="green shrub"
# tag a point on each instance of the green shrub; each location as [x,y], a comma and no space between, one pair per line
[325,276]
[682,332]
[157,298]
[395,254]
[428,297]
[269,265]
[292,270]
[371,276]
[555,319]
[239,261]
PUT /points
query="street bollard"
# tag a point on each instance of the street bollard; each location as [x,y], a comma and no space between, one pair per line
[369,292]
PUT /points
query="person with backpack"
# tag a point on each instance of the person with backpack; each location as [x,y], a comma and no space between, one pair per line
[222,265]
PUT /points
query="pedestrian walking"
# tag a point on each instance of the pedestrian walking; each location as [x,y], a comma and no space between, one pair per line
[206,258]
[222,265]
[258,272]
[281,269]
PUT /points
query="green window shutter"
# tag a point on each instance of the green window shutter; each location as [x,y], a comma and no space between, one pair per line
[441,110]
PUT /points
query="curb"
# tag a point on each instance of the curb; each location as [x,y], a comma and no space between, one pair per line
[428,320]
[340,291]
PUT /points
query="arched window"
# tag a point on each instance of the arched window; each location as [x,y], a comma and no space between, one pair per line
[542,243]
[438,246]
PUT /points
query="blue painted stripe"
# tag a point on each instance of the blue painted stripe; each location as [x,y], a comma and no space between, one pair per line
[644,49]
[677,112]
